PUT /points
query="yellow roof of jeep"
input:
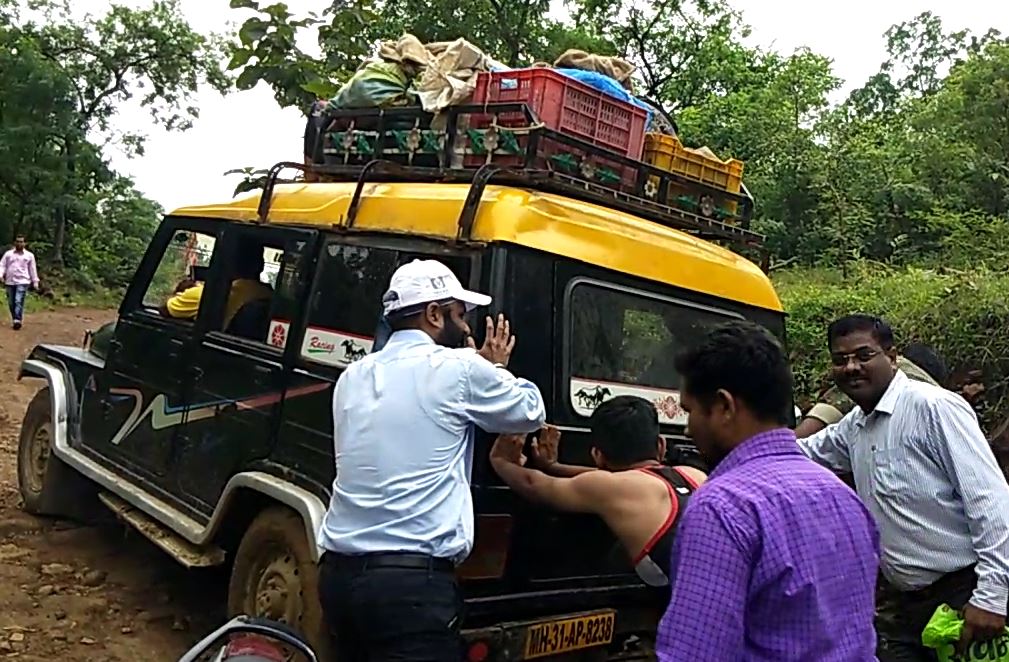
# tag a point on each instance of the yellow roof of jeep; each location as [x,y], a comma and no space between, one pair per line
[543,221]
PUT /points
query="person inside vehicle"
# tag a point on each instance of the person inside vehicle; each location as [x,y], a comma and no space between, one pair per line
[245,288]
[638,497]
[919,362]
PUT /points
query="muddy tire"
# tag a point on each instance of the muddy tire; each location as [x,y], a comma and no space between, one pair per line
[274,577]
[48,486]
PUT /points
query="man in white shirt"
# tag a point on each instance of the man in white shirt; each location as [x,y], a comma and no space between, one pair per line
[401,515]
[18,272]
[926,473]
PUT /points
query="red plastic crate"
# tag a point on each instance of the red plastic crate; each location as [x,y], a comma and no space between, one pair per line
[566,105]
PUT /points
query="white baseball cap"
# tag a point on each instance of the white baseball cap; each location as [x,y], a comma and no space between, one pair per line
[426,281]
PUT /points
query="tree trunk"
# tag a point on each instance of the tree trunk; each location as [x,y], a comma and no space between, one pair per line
[60,236]
[60,213]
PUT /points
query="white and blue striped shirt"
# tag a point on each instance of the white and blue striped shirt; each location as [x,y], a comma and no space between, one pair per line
[403,422]
[925,471]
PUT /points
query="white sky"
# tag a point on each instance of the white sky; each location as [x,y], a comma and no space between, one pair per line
[249,129]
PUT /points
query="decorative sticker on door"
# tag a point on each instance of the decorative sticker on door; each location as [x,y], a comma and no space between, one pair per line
[587,394]
[334,348]
[279,330]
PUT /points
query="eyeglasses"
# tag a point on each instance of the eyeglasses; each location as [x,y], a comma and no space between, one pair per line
[862,355]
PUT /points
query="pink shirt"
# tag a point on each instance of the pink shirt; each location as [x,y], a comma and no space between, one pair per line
[19,268]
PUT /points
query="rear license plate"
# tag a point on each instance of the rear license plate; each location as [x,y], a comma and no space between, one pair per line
[569,634]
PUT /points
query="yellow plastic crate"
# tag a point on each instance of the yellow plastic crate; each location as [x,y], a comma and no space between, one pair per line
[668,153]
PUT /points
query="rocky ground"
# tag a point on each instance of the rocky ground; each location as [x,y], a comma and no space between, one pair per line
[76,592]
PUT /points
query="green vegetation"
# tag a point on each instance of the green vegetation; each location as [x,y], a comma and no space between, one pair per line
[63,80]
[892,200]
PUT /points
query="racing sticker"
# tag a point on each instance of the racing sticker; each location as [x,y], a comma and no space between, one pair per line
[587,394]
[334,347]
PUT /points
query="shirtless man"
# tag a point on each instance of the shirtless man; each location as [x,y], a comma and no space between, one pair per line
[638,497]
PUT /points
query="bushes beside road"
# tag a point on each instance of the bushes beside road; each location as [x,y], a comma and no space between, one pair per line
[962,313]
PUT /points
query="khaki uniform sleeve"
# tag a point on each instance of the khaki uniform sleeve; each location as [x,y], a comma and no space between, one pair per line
[832,407]
[914,372]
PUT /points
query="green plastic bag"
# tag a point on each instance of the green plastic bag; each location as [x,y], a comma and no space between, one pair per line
[943,631]
[374,85]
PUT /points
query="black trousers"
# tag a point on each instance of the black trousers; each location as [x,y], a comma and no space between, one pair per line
[391,608]
[902,615]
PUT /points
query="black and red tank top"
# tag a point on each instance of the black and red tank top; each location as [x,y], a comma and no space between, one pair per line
[652,562]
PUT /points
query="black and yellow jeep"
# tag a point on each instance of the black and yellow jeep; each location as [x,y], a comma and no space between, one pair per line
[216,441]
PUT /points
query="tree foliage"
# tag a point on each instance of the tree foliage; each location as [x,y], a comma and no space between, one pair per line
[908,173]
[63,81]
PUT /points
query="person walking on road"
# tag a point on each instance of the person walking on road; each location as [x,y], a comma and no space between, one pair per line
[401,514]
[775,559]
[926,472]
[19,272]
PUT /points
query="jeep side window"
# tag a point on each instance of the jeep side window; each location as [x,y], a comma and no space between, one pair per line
[265,277]
[625,342]
[180,275]
[346,305]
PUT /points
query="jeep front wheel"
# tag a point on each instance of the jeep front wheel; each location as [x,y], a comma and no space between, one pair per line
[47,485]
[275,577]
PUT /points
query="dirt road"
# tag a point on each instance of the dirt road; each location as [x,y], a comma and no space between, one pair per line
[73,592]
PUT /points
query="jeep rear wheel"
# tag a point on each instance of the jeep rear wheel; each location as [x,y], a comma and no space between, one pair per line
[47,485]
[275,577]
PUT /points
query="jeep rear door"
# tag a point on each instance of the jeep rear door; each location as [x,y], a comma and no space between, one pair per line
[611,335]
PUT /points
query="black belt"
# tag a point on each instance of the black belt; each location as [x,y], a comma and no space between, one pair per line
[950,582]
[389,560]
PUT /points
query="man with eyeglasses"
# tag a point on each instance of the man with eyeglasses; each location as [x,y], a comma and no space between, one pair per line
[833,404]
[926,473]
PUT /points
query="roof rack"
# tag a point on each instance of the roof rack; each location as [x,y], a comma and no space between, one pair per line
[542,180]
[505,143]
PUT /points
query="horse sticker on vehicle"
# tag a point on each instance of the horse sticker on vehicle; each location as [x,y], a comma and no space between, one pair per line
[587,394]
[334,348]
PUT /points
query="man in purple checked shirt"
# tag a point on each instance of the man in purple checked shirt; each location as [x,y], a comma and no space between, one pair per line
[775,559]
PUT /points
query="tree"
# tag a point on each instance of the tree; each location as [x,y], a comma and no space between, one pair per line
[921,52]
[107,242]
[36,109]
[149,55]
[518,33]
[685,50]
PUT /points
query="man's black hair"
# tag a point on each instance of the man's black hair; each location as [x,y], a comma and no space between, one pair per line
[745,360]
[249,262]
[849,324]
[625,429]
[928,360]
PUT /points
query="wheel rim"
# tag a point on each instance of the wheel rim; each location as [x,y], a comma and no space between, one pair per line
[277,593]
[38,458]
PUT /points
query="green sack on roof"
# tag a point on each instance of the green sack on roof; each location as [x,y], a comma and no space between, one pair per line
[943,632]
[375,85]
